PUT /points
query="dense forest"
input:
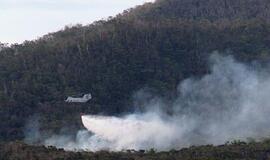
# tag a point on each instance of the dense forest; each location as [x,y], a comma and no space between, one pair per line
[212,10]
[153,47]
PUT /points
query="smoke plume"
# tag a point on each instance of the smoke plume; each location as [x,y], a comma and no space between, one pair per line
[231,102]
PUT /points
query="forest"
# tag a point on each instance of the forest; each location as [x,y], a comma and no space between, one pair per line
[153,46]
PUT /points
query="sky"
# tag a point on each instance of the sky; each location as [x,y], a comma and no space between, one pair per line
[22,20]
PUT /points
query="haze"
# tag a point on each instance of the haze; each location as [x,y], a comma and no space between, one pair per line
[29,19]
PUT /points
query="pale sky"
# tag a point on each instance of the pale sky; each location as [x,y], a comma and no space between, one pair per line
[29,19]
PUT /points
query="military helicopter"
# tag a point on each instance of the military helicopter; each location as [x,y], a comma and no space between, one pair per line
[84,99]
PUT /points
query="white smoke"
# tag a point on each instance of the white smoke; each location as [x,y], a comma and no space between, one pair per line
[232,102]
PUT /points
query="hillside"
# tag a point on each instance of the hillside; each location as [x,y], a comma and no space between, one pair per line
[212,10]
[154,46]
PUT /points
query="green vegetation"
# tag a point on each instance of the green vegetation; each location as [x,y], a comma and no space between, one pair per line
[153,46]
[240,151]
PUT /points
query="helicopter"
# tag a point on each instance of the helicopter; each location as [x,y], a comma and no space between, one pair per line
[84,99]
